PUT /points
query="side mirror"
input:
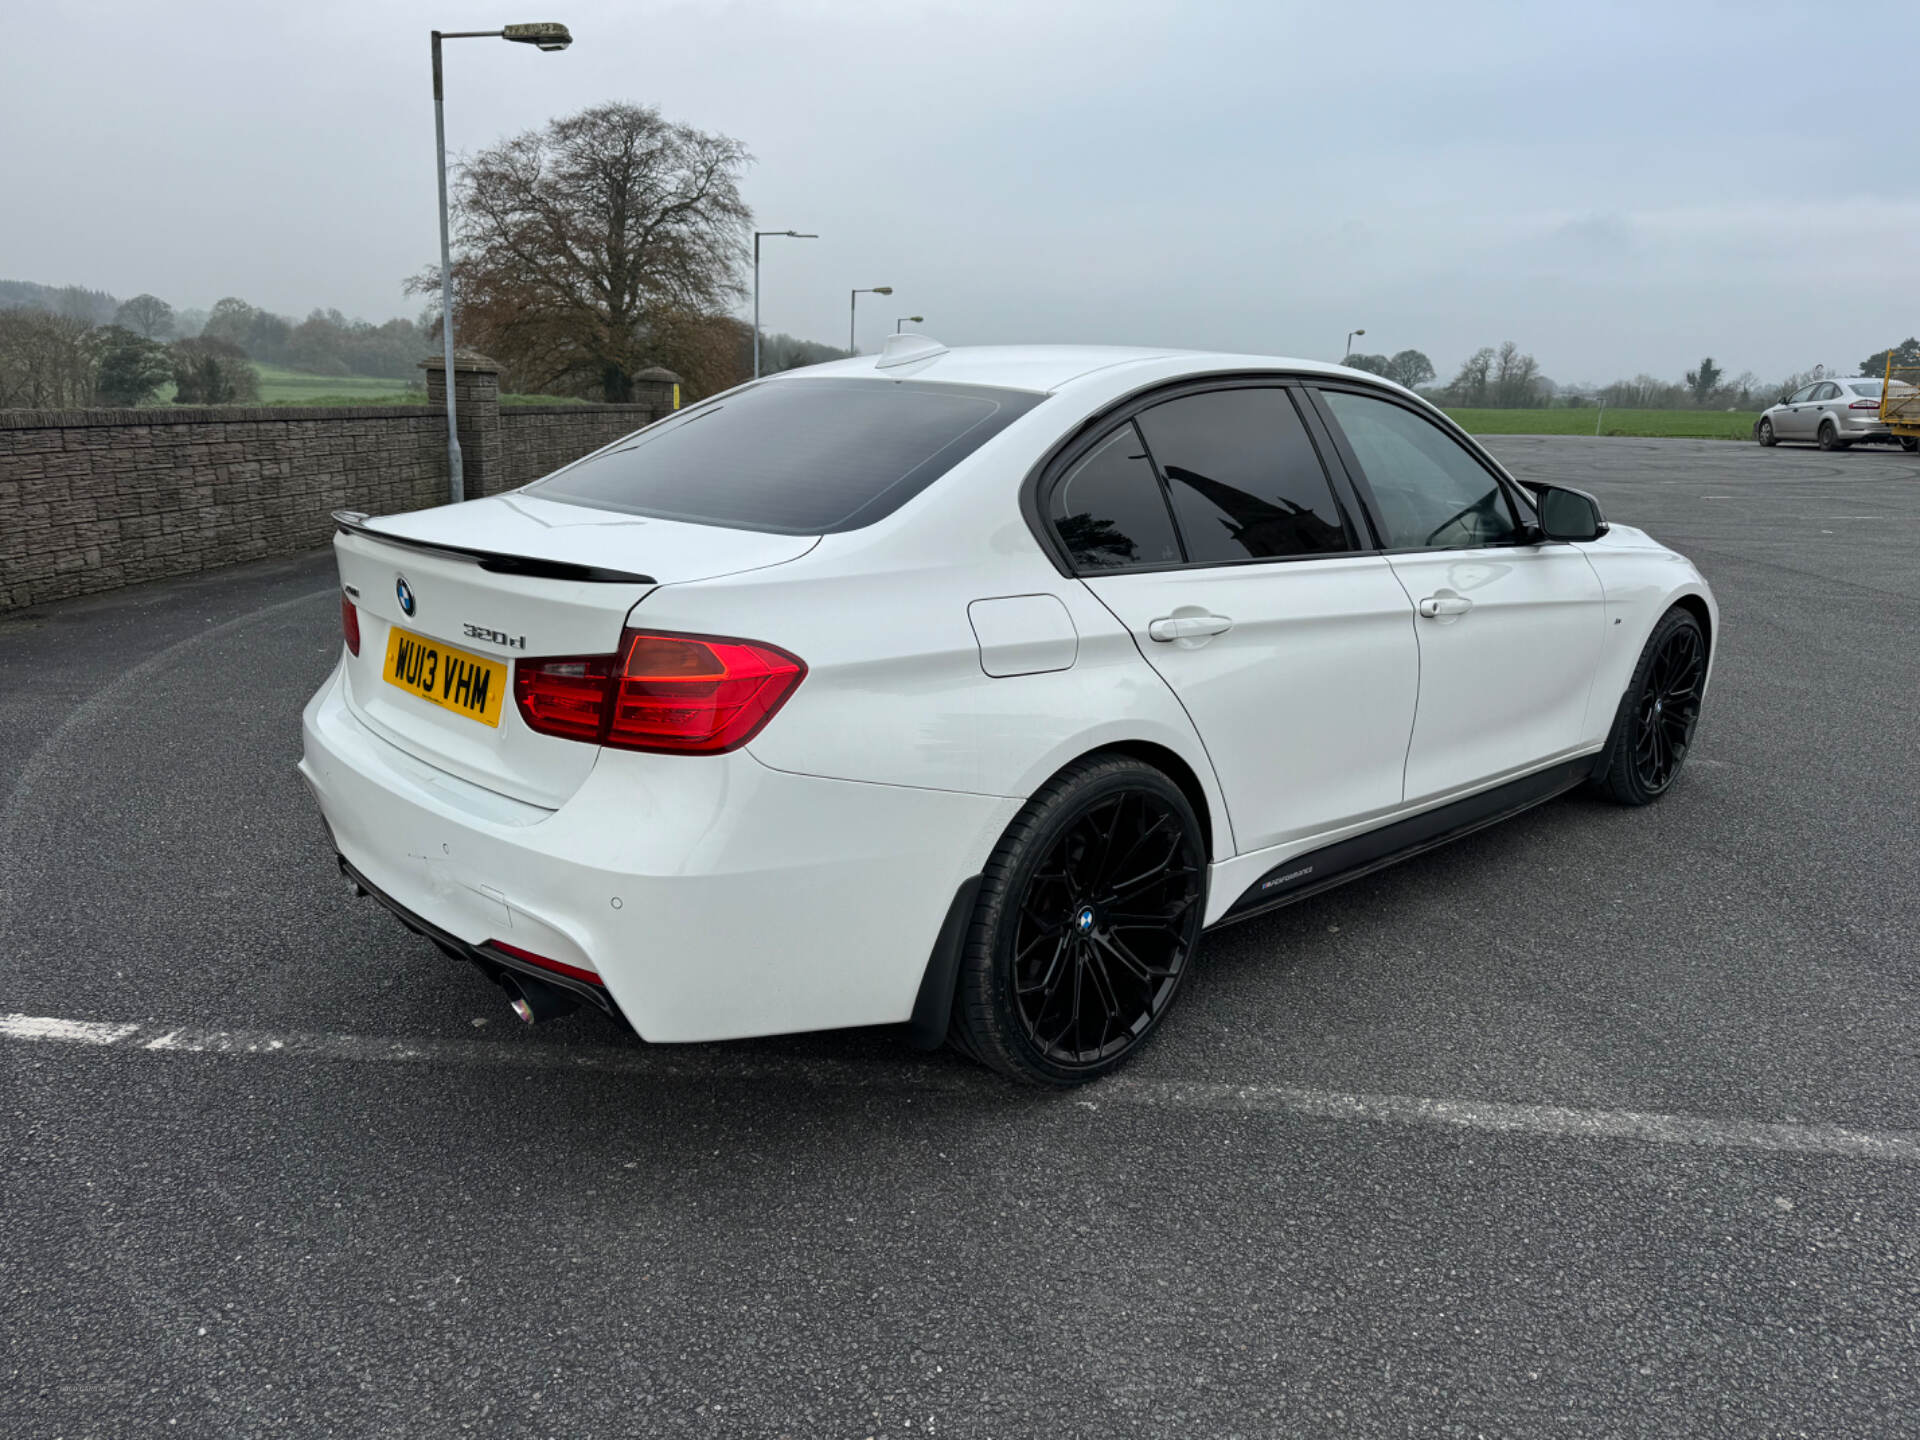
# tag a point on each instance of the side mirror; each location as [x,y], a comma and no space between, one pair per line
[1568,514]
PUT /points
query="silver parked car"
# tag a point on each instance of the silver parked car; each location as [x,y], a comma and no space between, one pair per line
[1833,414]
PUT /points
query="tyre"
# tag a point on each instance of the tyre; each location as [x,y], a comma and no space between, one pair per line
[1764,433]
[1086,925]
[1654,727]
[1829,436]
[1910,442]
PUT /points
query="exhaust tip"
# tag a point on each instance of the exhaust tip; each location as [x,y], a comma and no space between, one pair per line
[534,1000]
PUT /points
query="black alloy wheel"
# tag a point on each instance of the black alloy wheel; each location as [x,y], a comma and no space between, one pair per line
[1088,918]
[1654,729]
[1764,433]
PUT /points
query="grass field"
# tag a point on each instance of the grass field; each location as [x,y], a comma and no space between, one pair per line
[292,387]
[1664,424]
[295,387]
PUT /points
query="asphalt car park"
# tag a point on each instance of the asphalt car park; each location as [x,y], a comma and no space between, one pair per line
[1597,1122]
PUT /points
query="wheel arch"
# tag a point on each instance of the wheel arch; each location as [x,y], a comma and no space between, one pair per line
[931,1018]
[1175,768]
[1696,605]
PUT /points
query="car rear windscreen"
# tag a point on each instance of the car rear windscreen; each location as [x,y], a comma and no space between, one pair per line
[797,457]
[1870,388]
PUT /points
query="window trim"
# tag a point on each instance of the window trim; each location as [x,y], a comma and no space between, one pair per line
[1524,509]
[1037,491]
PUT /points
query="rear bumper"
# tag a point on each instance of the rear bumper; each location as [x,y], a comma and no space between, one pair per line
[714,897]
[491,959]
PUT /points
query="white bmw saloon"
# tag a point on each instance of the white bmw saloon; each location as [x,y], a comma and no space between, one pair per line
[965,690]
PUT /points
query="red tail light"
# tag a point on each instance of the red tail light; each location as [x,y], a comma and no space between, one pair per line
[684,694]
[1864,405]
[350,624]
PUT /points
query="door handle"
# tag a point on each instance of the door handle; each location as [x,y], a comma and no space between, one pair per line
[1187,627]
[1435,606]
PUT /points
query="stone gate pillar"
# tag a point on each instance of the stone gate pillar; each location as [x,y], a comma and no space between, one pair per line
[476,403]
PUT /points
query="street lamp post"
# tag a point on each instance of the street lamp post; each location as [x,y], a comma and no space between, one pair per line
[853,307]
[756,287]
[1349,350]
[904,319]
[545,37]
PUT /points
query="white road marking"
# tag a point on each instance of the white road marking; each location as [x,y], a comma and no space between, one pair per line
[74,1032]
[1502,1117]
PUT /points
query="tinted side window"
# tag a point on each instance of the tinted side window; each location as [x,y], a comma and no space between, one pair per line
[1429,490]
[1109,512]
[1244,479]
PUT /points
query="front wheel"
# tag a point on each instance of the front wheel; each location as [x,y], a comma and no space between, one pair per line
[1653,730]
[1088,917]
[1764,434]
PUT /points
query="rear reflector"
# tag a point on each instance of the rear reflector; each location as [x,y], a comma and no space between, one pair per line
[680,694]
[350,624]
[559,967]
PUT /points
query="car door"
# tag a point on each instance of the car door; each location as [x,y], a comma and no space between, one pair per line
[1794,422]
[1510,628]
[1208,524]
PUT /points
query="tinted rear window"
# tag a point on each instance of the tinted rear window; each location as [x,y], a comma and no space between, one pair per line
[797,457]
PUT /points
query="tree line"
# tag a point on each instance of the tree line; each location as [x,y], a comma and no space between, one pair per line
[1505,377]
[70,347]
[54,361]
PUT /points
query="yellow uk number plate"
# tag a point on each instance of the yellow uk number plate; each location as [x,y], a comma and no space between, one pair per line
[468,685]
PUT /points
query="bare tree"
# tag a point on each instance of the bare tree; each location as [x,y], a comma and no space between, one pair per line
[1410,368]
[229,321]
[45,361]
[146,315]
[1372,364]
[1514,374]
[1470,385]
[585,247]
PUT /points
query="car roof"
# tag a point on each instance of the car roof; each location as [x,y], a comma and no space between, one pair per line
[1051,367]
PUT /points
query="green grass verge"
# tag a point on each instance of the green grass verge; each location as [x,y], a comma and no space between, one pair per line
[1660,424]
[292,387]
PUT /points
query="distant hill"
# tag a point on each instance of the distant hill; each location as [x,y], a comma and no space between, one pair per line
[96,307]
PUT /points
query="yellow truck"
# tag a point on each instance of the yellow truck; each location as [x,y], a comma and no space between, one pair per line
[1900,403]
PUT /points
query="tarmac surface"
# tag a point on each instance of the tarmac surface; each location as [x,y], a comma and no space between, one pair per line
[1600,1122]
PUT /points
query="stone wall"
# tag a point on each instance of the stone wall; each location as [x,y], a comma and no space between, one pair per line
[536,439]
[94,499]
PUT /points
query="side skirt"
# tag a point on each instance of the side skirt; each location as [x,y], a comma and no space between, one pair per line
[1345,860]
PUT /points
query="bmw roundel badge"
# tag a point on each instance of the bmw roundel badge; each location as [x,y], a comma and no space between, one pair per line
[404,592]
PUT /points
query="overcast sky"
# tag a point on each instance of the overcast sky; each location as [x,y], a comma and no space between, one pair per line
[1616,187]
